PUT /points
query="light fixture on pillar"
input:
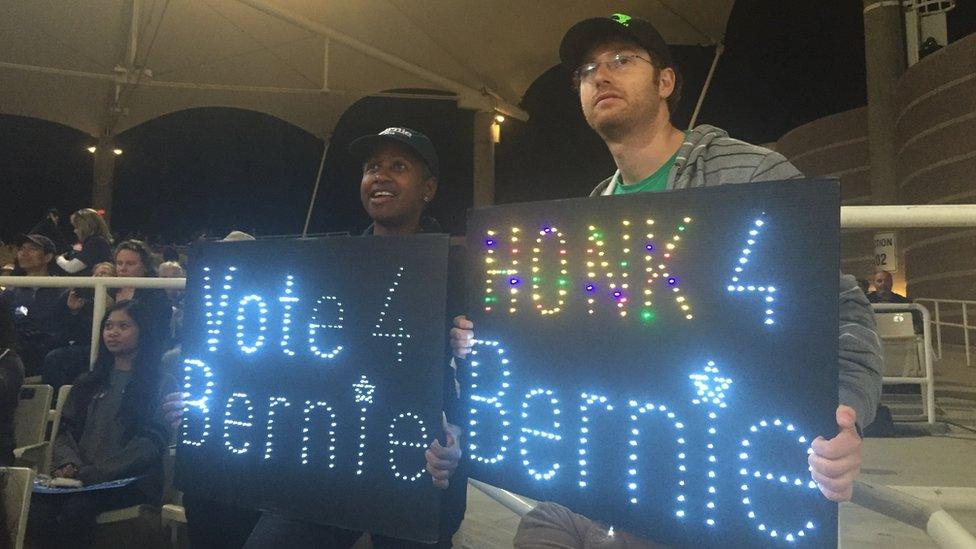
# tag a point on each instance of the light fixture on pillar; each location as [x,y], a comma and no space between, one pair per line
[496,128]
[92,149]
[118,152]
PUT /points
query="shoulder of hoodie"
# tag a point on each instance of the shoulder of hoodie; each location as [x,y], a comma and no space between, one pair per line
[709,142]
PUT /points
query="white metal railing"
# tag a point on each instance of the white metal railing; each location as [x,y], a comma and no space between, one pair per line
[939,323]
[101,284]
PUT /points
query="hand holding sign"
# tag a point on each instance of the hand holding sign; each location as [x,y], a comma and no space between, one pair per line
[462,336]
[173,409]
[835,463]
[442,461]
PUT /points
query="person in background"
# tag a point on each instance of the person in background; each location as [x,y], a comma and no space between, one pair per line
[211,524]
[50,227]
[112,428]
[37,312]
[11,379]
[864,285]
[172,269]
[882,289]
[134,259]
[171,254]
[66,362]
[96,243]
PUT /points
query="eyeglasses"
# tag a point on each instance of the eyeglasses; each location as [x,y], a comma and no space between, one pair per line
[618,62]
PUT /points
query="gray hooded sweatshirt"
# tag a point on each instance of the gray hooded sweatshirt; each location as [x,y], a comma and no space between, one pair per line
[709,157]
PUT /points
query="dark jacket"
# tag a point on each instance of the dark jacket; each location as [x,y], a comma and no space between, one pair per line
[140,447]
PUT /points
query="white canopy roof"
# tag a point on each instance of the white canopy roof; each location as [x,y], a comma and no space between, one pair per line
[104,66]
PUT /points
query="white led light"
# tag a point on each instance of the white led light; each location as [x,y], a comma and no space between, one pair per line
[753,289]
[243,424]
[269,442]
[364,397]
[398,334]
[414,446]
[307,428]
[193,368]
[547,396]
[287,301]
[782,479]
[316,323]
[262,321]
[494,402]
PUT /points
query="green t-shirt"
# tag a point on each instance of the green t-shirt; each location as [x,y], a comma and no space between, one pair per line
[656,182]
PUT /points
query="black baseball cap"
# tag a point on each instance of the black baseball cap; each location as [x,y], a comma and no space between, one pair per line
[583,35]
[415,141]
[40,240]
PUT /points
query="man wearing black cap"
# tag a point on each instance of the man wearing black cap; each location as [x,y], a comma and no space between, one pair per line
[38,312]
[628,88]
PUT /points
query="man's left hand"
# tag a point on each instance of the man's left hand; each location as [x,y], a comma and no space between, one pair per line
[442,461]
[835,463]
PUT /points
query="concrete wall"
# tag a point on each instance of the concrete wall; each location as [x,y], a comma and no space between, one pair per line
[837,146]
[936,141]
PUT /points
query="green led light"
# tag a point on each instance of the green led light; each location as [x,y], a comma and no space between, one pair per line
[624,263]
[491,299]
[648,315]
[681,227]
[562,281]
[536,279]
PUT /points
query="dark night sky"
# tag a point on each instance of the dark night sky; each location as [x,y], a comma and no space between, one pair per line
[786,63]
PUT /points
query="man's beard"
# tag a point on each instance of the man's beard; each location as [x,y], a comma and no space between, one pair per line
[613,129]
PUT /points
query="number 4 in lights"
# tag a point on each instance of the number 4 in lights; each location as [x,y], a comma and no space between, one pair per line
[738,287]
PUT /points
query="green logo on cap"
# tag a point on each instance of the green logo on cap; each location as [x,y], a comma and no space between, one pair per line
[621,18]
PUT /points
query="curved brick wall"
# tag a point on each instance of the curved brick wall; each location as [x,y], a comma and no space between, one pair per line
[837,146]
[936,140]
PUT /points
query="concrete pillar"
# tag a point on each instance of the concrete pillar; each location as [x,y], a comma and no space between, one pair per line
[104,175]
[884,50]
[484,159]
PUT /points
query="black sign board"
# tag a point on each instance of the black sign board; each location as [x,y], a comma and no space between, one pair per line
[314,372]
[661,362]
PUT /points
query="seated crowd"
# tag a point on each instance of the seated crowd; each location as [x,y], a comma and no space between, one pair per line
[112,425]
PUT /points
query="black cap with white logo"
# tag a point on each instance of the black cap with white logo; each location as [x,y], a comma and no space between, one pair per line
[415,141]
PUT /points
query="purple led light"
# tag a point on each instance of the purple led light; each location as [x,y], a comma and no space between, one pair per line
[547,230]
[489,242]
[618,293]
[590,288]
[649,247]
[514,281]
[672,281]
